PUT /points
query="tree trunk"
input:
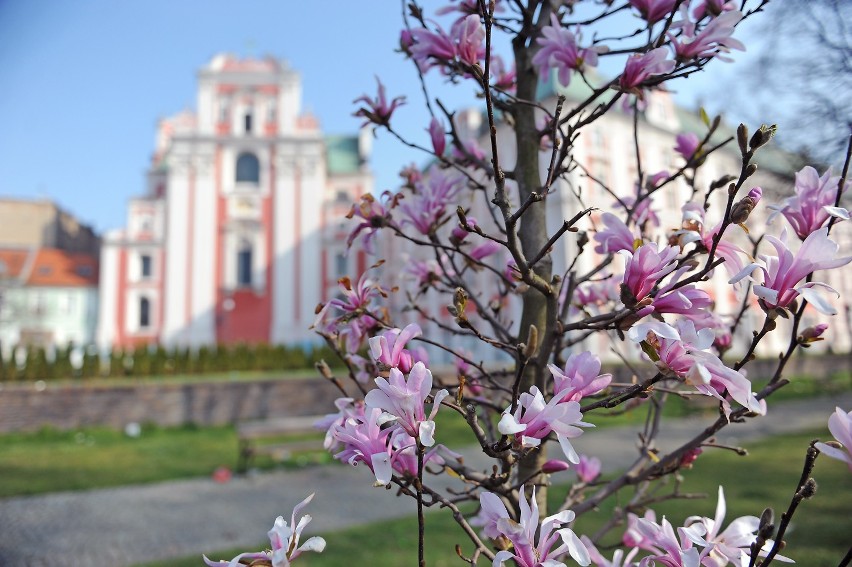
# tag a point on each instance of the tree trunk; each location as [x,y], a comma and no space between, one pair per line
[533,236]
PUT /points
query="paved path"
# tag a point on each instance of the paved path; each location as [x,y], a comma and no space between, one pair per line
[124,526]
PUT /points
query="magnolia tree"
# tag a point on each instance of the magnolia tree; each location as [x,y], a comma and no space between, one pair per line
[474,222]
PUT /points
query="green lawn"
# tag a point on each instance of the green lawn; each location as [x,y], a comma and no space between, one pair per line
[819,535]
[50,460]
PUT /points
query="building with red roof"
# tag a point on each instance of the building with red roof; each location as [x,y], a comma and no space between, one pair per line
[48,298]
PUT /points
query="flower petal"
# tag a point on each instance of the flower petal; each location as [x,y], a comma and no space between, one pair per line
[382,468]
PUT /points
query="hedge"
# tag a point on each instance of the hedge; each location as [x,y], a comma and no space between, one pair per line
[155,360]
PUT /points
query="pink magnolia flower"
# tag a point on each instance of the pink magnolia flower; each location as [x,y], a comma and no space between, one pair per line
[439,139]
[484,250]
[588,468]
[356,298]
[633,537]
[347,408]
[731,545]
[362,368]
[522,534]
[377,111]
[642,66]
[646,267]
[616,236]
[598,293]
[351,326]
[426,208]
[535,420]
[470,153]
[685,355]
[686,300]
[463,44]
[403,400]
[687,144]
[364,441]
[284,541]
[502,78]
[715,38]
[559,50]
[429,47]
[580,378]
[373,216]
[653,10]
[669,549]
[389,350]
[812,205]
[491,511]
[404,453]
[693,230]
[782,273]
[840,425]
[405,41]
[468,34]
[411,174]
[424,273]
[720,327]
[642,212]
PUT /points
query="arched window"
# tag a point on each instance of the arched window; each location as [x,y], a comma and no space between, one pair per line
[248,169]
[244,263]
[144,312]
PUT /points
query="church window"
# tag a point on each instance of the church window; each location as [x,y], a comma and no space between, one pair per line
[244,264]
[248,169]
[144,312]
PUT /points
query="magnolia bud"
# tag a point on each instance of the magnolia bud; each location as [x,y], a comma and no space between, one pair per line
[813,334]
[465,227]
[762,136]
[751,169]
[809,489]
[554,465]
[690,456]
[742,138]
[744,207]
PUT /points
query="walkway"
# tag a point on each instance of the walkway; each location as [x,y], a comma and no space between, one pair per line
[124,526]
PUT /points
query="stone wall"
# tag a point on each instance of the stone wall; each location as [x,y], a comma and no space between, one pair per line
[24,407]
[27,408]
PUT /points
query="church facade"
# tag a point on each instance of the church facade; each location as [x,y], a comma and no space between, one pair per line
[240,233]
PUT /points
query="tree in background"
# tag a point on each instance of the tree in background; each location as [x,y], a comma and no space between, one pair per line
[804,59]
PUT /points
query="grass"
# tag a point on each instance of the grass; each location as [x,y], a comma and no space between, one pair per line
[50,460]
[818,537]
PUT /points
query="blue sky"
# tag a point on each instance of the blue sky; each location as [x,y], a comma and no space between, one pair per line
[84,82]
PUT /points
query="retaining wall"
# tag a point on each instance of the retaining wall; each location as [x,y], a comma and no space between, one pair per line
[26,407]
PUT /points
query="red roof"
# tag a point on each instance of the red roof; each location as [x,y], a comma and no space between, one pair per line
[12,261]
[63,269]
